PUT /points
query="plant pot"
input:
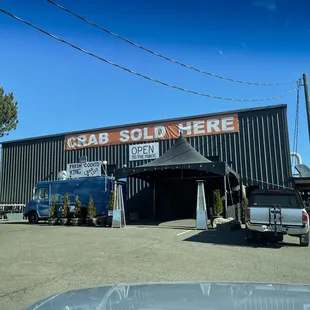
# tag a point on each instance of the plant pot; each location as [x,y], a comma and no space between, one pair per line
[77,221]
[109,221]
[53,221]
[65,221]
[90,221]
[101,221]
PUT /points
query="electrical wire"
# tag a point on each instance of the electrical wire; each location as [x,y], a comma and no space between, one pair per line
[140,74]
[162,56]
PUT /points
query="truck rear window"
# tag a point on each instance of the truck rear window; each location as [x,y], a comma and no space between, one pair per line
[284,200]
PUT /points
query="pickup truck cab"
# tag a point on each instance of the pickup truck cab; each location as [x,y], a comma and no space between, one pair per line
[274,213]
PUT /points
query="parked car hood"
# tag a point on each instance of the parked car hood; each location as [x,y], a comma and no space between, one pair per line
[178,296]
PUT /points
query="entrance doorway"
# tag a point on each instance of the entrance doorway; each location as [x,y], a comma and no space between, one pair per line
[175,200]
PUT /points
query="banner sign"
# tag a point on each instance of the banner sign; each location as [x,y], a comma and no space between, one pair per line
[143,151]
[161,131]
[84,170]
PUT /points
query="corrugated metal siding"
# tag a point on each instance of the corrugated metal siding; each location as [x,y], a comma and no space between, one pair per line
[259,153]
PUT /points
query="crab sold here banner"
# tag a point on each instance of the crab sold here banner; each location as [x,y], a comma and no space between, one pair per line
[214,125]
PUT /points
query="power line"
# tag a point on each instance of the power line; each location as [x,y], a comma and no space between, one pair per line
[140,74]
[163,56]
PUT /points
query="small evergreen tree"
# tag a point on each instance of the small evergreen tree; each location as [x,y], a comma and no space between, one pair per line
[77,208]
[244,205]
[91,209]
[111,200]
[217,203]
[66,206]
[53,209]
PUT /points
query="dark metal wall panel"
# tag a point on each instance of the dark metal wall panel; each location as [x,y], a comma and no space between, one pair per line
[259,153]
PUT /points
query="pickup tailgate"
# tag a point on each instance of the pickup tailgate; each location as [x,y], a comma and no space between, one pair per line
[276,207]
[265,215]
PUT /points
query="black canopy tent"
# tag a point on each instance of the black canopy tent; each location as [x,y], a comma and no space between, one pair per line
[183,162]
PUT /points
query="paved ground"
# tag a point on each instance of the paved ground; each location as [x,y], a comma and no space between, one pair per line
[38,260]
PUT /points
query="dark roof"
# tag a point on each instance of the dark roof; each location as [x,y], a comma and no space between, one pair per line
[149,122]
[181,153]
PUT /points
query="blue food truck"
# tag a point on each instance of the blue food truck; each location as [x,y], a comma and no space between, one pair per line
[99,187]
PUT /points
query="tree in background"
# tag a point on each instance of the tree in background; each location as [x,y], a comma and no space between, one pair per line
[8,113]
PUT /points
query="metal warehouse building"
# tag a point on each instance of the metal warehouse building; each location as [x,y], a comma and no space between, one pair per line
[254,142]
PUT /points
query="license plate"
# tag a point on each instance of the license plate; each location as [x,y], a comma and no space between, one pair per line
[277,228]
[110,212]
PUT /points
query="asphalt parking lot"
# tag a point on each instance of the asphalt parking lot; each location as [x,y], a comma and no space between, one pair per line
[39,260]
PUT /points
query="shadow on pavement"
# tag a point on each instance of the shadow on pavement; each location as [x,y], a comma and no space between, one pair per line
[233,238]
[184,224]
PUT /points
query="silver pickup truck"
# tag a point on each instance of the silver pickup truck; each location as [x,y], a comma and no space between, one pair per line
[273,213]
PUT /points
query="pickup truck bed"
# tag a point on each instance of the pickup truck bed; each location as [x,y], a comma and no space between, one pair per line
[274,213]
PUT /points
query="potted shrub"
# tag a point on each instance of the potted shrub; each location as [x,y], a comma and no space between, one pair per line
[53,220]
[91,211]
[111,208]
[244,205]
[217,205]
[65,220]
[77,219]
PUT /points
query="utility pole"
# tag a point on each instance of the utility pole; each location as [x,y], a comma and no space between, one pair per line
[307,99]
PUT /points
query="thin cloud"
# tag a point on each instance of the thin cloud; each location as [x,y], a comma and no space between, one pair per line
[269,5]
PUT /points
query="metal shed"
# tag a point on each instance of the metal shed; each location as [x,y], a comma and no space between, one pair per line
[257,149]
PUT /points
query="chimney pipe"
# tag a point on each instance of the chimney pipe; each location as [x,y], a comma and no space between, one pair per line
[297,156]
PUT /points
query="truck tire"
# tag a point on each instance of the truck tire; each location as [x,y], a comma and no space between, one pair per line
[33,217]
[304,239]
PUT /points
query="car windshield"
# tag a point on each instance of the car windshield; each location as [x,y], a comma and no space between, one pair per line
[284,200]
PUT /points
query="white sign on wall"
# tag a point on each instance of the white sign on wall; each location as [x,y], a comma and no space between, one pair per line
[143,151]
[84,170]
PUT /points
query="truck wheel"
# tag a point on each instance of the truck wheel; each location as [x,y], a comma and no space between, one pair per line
[33,217]
[304,239]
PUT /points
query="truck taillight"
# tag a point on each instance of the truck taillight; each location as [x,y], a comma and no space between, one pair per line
[305,217]
[247,214]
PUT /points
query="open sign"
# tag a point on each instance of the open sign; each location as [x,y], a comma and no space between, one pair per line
[143,151]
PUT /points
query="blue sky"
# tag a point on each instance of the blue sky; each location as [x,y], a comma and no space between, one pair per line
[60,89]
